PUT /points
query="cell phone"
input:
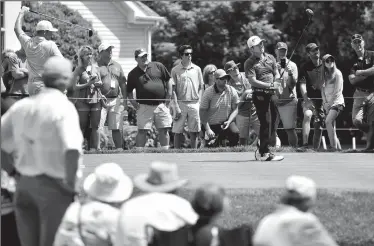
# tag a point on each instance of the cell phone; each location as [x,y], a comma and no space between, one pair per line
[283,63]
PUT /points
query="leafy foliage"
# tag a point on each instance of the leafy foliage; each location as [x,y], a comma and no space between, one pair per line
[68,37]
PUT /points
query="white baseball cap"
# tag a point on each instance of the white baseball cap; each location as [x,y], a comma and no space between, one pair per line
[45,25]
[254,40]
[104,46]
[304,186]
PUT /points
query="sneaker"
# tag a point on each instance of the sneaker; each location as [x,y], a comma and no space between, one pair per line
[302,148]
[271,157]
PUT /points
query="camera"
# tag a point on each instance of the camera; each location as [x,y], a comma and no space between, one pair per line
[283,63]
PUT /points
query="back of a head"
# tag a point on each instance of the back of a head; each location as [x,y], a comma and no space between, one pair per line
[57,72]
[209,200]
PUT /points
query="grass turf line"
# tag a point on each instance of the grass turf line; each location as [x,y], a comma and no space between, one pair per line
[347,215]
[211,150]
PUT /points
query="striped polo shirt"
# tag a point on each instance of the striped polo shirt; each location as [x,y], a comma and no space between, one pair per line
[188,82]
[38,50]
[219,104]
[263,70]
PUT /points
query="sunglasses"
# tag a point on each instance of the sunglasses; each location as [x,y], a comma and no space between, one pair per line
[211,72]
[232,69]
[187,54]
[357,41]
[330,60]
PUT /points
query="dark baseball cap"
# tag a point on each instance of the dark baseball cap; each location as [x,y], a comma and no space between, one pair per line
[311,46]
[140,52]
[230,65]
[281,45]
[356,36]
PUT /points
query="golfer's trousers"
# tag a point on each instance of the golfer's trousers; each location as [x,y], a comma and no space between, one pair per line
[40,203]
[263,102]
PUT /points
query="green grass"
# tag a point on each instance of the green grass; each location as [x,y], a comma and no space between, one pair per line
[347,215]
[209,150]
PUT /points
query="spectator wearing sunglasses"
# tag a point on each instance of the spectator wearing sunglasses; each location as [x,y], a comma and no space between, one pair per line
[208,75]
[246,116]
[310,80]
[188,90]
[153,85]
[362,77]
[332,95]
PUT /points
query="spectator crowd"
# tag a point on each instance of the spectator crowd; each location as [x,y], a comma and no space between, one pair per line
[42,136]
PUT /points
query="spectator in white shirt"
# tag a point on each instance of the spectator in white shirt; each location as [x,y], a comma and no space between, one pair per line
[38,49]
[160,209]
[44,134]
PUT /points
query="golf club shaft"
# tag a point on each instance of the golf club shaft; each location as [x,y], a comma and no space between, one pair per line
[296,45]
[66,22]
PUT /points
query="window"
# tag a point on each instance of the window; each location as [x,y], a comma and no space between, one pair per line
[2,41]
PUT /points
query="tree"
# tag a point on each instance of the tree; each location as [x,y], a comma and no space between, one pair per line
[69,38]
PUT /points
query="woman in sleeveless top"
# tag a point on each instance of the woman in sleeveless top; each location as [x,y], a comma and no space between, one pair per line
[88,94]
[332,96]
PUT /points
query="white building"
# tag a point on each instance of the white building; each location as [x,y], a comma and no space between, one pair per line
[126,25]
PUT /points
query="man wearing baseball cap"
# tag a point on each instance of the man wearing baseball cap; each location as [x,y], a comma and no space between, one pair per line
[38,49]
[217,106]
[245,115]
[114,89]
[287,97]
[362,77]
[261,70]
[310,80]
[153,85]
[292,223]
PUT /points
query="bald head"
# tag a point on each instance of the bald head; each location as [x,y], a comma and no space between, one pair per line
[57,73]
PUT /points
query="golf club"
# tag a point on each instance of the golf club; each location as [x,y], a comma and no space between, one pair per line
[90,33]
[310,13]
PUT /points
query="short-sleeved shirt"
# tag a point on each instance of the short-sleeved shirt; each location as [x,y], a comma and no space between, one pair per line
[19,85]
[244,108]
[112,76]
[40,130]
[219,104]
[38,50]
[149,84]
[367,62]
[311,75]
[188,82]
[288,94]
[87,92]
[263,69]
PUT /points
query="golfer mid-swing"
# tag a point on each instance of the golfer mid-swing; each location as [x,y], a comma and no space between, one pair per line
[261,70]
[38,49]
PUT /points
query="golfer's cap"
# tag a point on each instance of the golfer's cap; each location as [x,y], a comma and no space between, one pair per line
[356,36]
[140,52]
[254,40]
[281,45]
[305,187]
[220,73]
[104,46]
[45,25]
[311,46]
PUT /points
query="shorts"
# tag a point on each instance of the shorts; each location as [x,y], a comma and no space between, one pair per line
[245,124]
[83,106]
[318,112]
[189,112]
[338,108]
[159,114]
[359,113]
[35,87]
[112,113]
[288,114]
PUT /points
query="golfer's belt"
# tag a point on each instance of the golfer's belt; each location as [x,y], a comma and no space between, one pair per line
[267,91]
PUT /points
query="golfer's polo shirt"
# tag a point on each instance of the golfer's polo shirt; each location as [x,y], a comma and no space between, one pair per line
[188,82]
[219,104]
[111,75]
[262,69]
[40,130]
[37,50]
[149,84]
[366,63]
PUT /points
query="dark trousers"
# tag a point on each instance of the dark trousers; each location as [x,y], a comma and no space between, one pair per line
[231,134]
[9,234]
[262,102]
[40,203]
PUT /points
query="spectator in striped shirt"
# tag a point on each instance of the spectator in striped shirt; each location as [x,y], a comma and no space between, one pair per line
[218,103]
[38,49]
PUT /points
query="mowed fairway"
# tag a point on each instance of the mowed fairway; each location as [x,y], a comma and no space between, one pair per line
[240,170]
